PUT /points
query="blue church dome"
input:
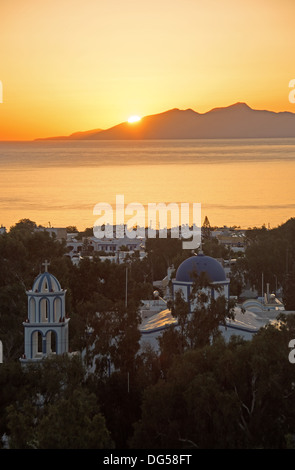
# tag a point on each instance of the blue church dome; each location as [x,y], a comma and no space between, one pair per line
[198,264]
[46,282]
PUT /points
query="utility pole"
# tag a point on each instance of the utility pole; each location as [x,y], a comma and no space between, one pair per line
[126,283]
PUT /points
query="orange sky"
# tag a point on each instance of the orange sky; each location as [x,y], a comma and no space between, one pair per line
[73,65]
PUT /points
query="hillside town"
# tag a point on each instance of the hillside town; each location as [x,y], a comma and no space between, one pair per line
[255,305]
[126,312]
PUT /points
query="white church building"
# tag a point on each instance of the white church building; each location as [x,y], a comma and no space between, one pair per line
[192,267]
[46,330]
[245,324]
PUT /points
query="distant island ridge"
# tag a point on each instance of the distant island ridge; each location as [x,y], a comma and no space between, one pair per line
[235,121]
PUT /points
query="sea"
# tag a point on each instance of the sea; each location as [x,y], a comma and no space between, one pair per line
[238,182]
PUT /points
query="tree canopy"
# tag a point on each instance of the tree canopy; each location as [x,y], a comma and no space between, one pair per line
[195,391]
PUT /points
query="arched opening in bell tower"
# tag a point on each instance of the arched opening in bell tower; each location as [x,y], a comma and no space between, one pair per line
[51,342]
[57,309]
[32,310]
[44,310]
[37,344]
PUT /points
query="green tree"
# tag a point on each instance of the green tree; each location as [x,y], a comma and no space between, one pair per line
[271,253]
[189,409]
[289,290]
[238,394]
[161,253]
[54,409]
[25,225]
[212,247]
[74,423]
[69,423]
[22,252]
[13,388]
[114,338]
[71,229]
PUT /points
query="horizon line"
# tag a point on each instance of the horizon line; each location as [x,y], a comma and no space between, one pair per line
[62,137]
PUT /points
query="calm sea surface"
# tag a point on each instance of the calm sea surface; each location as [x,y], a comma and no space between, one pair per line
[238,182]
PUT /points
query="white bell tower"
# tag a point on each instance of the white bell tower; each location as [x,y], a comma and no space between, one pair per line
[46,330]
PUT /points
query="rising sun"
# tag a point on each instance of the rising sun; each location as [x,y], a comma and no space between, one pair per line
[132,119]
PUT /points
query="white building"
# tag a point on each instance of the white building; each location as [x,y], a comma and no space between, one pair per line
[194,266]
[245,324]
[46,329]
[112,247]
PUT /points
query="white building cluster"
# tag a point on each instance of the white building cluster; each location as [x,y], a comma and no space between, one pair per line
[114,249]
[233,239]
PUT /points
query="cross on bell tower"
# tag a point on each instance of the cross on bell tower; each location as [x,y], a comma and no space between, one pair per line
[46,264]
